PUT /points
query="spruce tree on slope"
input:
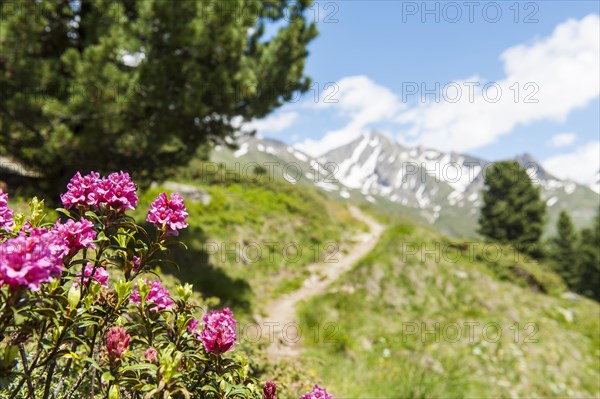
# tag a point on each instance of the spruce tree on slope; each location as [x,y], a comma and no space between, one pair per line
[513,212]
[588,273]
[564,250]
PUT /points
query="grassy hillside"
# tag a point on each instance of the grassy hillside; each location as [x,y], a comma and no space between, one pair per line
[385,341]
[251,241]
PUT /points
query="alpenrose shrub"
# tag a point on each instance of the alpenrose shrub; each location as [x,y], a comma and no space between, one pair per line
[67,332]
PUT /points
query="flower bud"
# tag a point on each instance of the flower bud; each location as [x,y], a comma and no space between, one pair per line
[114,392]
[117,342]
[270,390]
[184,291]
[151,354]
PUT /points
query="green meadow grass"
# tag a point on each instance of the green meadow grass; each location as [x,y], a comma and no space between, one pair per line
[252,241]
[383,309]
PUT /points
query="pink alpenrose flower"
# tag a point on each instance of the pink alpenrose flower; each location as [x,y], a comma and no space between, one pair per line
[158,295]
[6,214]
[317,393]
[81,191]
[100,275]
[77,235]
[218,335]
[29,260]
[116,192]
[168,213]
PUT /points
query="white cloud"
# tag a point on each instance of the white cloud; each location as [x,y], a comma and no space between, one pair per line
[545,80]
[562,140]
[363,102]
[581,165]
[565,67]
[271,124]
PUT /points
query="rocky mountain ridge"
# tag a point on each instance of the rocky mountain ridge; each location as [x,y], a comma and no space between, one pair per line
[442,189]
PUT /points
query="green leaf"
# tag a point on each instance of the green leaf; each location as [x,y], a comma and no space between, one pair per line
[101,236]
[48,312]
[91,215]
[147,387]
[141,366]
[122,289]
[10,354]
[93,363]
[209,388]
[74,296]
[64,212]
[107,377]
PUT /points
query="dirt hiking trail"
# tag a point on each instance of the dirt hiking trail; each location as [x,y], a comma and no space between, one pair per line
[281,313]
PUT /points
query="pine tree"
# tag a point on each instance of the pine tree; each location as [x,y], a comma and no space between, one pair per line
[588,276]
[564,249]
[513,212]
[141,85]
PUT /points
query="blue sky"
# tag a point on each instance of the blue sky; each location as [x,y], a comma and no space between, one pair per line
[373,59]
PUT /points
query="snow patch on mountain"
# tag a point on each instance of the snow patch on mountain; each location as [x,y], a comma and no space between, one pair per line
[243,150]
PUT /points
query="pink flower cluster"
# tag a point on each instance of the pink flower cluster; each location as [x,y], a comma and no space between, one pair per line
[270,390]
[29,260]
[218,335]
[77,235]
[317,393]
[81,190]
[116,191]
[117,342]
[6,215]
[158,295]
[100,275]
[169,213]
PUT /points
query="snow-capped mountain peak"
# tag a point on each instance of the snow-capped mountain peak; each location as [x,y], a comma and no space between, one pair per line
[441,188]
